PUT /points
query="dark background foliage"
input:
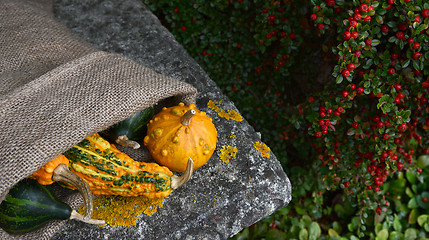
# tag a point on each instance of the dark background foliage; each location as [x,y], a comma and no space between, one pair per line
[338,90]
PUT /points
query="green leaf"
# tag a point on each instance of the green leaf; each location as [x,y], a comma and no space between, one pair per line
[397,186]
[274,233]
[396,236]
[420,202]
[306,220]
[411,176]
[314,231]
[379,19]
[422,219]
[382,235]
[423,161]
[375,42]
[385,103]
[412,203]
[397,224]
[412,218]
[303,234]
[406,63]
[410,234]
[416,65]
[332,232]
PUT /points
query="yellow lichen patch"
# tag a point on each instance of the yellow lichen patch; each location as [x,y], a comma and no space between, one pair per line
[262,148]
[232,136]
[228,114]
[227,152]
[123,211]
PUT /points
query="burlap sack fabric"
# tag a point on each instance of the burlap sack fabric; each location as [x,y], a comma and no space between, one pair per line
[55,89]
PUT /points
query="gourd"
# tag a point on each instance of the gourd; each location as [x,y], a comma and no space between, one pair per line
[57,170]
[108,171]
[178,133]
[30,205]
[129,131]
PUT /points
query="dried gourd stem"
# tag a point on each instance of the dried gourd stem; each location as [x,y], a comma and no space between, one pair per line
[177,181]
[186,118]
[62,173]
[124,141]
[75,215]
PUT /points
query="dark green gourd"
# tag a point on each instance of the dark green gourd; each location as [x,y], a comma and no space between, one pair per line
[30,205]
[130,130]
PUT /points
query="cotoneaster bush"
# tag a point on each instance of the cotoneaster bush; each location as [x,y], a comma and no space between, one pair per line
[372,120]
[341,86]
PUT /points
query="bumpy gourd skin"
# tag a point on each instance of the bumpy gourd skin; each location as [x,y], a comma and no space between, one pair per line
[45,173]
[171,142]
[108,171]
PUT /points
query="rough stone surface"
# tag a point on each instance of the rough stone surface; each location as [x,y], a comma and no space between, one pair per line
[221,198]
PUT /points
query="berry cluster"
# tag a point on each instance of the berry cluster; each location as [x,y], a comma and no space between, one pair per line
[373,126]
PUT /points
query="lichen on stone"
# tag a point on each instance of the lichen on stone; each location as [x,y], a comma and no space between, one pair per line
[228,114]
[262,148]
[227,152]
[123,211]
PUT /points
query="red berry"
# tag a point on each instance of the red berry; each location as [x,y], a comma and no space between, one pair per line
[399,35]
[378,210]
[402,127]
[357,16]
[363,7]
[321,26]
[345,73]
[399,165]
[327,122]
[321,122]
[344,93]
[402,26]
[368,42]
[386,136]
[401,95]
[417,55]
[347,184]
[391,71]
[355,125]
[350,66]
[318,134]
[346,35]
[359,90]
[355,35]
[416,45]
[425,13]
[390,2]
[353,23]
[425,84]
[417,19]
[398,87]
[425,199]
[340,109]
[385,28]
[313,17]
